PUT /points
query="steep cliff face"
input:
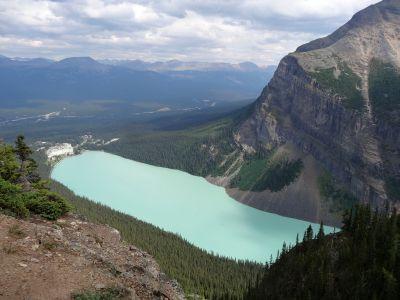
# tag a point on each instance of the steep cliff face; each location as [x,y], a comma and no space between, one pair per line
[327,100]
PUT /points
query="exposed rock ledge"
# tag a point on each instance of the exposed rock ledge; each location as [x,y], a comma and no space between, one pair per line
[55,260]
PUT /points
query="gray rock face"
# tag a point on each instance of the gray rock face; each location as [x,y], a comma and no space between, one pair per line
[358,148]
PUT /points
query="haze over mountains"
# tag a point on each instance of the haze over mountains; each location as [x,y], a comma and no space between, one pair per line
[23,81]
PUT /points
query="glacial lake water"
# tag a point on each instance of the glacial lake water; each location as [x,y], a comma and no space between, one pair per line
[178,202]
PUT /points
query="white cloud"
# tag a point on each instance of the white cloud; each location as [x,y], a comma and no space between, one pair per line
[208,30]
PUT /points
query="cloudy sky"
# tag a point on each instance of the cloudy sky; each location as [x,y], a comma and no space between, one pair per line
[261,31]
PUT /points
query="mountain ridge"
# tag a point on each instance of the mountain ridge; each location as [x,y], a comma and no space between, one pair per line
[319,100]
[84,79]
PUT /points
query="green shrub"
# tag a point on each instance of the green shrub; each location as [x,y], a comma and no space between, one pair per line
[104,294]
[46,209]
[49,245]
[8,163]
[12,200]
[16,231]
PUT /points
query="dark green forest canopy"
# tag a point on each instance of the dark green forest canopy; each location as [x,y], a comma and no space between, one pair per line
[384,91]
[360,262]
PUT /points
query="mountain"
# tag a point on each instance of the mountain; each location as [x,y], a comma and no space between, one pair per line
[176,65]
[25,81]
[334,104]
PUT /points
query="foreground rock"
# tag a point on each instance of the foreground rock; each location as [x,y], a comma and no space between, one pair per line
[61,260]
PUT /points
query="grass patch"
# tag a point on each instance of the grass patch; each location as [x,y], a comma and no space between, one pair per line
[346,85]
[16,231]
[49,245]
[259,174]
[250,172]
[104,294]
[9,249]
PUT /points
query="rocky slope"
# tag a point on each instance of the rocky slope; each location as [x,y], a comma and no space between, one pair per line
[64,259]
[325,100]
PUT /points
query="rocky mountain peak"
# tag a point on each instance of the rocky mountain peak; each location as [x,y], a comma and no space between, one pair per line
[336,99]
[384,11]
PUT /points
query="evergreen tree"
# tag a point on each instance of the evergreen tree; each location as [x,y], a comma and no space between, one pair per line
[22,149]
[309,234]
[321,234]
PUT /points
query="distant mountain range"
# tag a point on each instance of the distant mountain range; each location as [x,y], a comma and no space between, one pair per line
[22,81]
[177,65]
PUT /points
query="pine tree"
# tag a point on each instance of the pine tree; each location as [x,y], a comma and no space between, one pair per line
[23,152]
[22,149]
[320,234]
[309,234]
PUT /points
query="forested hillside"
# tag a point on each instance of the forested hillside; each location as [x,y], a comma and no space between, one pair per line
[360,262]
[197,151]
[210,149]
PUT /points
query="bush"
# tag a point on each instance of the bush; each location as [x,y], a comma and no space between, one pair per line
[12,199]
[35,197]
[14,207]
[47,204]
[46,209]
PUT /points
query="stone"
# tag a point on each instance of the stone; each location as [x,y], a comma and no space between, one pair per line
[99,286]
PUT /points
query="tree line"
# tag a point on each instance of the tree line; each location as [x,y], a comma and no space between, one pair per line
[362,261]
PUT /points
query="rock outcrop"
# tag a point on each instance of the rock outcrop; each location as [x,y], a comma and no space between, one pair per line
[56,260]
[319,101]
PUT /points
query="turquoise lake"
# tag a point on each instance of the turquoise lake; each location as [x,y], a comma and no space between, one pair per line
[200,212]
